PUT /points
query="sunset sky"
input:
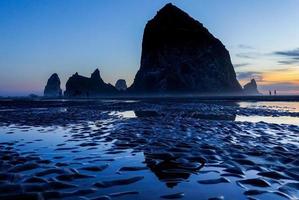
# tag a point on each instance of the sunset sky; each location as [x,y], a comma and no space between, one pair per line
[40,37]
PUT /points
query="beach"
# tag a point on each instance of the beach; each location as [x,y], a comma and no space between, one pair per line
[149,149]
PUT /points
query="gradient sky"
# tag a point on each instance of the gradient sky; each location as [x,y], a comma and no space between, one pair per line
[40,37]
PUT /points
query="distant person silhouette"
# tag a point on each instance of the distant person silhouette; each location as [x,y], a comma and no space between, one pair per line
[270,92]
[274,92]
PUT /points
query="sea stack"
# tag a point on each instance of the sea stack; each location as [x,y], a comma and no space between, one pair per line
[179,55]
[52,88]
[121,85]
[251,88]
[80,86]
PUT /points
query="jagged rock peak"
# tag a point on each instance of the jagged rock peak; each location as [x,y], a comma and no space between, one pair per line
[170,9]
[179,55]
[170,13]
[121,85]
[251,87]
[96,74]
[54,77]
[52,88]
[80,86]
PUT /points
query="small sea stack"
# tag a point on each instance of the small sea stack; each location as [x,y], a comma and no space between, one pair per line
[52,89]
[121,85]
[251,88]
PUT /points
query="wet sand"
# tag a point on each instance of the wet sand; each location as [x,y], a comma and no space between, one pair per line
[148,149]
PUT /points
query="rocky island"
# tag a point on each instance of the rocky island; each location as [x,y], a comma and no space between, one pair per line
[185,130]
[80,86]
[121,85]
[179,55]
[52,89]
[251,88]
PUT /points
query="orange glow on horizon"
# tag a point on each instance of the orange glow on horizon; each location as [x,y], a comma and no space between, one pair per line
[290,75]
[278,80]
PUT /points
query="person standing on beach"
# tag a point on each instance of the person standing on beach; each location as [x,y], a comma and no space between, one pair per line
[270,92]
[274,92]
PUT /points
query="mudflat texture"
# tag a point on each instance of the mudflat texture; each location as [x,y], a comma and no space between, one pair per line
[149,149]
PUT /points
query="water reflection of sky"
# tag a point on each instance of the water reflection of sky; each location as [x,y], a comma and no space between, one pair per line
[125,114]
[280,105]
[45,141]
[269,119]
[239,118]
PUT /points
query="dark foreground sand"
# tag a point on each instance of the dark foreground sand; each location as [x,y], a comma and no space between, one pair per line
[148,149]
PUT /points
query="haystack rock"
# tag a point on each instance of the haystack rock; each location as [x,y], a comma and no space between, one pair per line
[121,85]
[179,55]
[251,88]
[80,86]
[52,88]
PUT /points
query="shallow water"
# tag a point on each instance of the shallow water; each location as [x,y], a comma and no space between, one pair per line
[149,150]
[239,118]
[269,119]
[275,105]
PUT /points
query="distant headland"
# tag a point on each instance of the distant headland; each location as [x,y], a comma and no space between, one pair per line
[179,56]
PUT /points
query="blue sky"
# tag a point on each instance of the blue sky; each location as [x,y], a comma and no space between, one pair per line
[40,37]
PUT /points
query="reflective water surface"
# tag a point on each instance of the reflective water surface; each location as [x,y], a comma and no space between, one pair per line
[279,105]
[149,150]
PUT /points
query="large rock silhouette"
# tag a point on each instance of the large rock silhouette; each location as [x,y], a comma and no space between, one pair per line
[251,88]
[179,55]
[80,86]
[52,89]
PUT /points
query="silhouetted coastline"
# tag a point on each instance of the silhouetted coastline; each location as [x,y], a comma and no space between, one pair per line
[185,129]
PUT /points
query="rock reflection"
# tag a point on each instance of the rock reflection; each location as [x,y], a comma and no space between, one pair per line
[172,169]
[117,148]
[228,117]
[146,113]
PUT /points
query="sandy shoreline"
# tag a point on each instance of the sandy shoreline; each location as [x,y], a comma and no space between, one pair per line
[167,97]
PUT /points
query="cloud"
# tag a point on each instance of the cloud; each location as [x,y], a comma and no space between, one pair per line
[287,62]
[291,56]
[284,86]
[241,65]
[284,80]
[244,46]
[290,53]
[287,88]
[287,75]
[249,75]
[248,55]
